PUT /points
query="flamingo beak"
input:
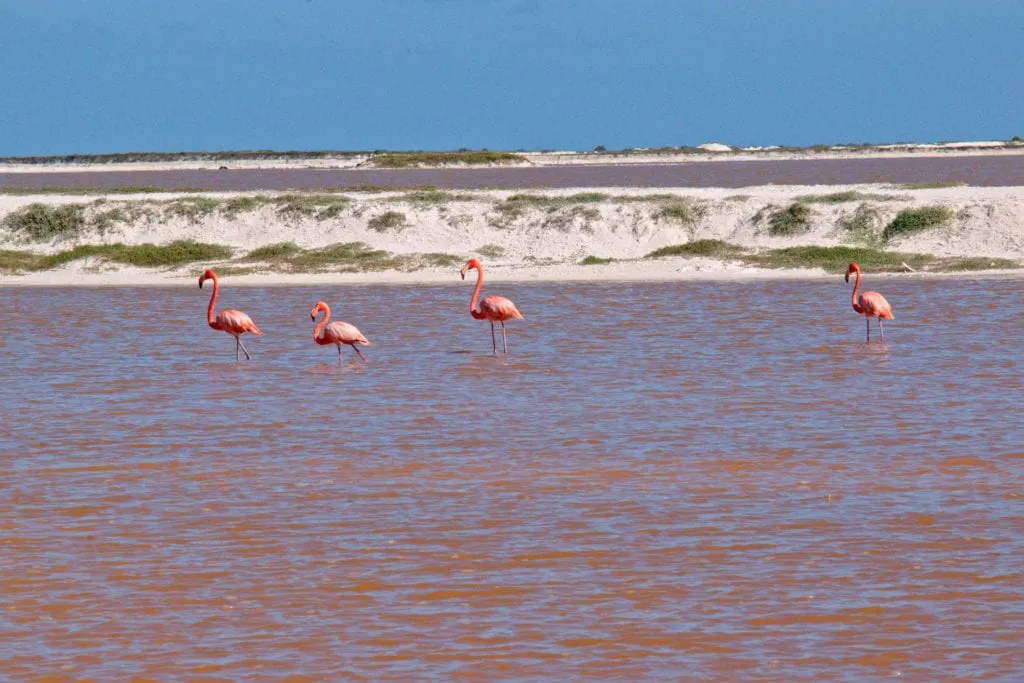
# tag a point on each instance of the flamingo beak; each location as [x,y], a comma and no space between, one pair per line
[200,283]
[847,276]
[312,316]
[463,273]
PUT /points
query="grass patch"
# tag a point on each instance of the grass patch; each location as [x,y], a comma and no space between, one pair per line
[848,196]
[191,209]
[274,251]
[143,255]
[439,260]
[45,222]
[933,185]
[491,251]
[434,197]
[710,248]
[863,225]
[915,220]
[682,210]
[793,220]
[595,261]
[837,259]
[738,198]
[416,159]
[389,220]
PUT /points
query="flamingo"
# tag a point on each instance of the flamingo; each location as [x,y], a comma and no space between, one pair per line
[337,332]
[492,308]
[869,304]
[233,322]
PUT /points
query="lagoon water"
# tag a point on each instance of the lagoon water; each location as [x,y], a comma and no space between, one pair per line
[661,480]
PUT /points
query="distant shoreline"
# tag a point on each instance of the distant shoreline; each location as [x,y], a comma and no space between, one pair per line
[341,160]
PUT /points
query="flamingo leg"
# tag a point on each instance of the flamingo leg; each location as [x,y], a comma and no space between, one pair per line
[881,330]
[236,348]
[358,352]
[494,342]
[868,321]
[504,342]
[339,354]
[247,356]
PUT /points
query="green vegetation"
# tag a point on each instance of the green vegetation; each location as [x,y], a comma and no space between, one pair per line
[389,220]
[793,220]
[143,255]
[682,210]
[595,261]
[44,222]
[847,196]
[439,260]
[191,208]
[270,252]
[738,198]
[711,248]
[830,259]
[491,251]
[435,197]
[863,225]
[934,185]
[416,159]
[915,220]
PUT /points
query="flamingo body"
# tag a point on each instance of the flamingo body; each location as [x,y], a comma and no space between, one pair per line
[494,309]
[336,332]
[229,320]
[235,323]
[869,304]
[499,309]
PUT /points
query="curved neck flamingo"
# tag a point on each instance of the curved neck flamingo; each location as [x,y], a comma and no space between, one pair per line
[476,293]
[853,296]
[210,318]
[320,325]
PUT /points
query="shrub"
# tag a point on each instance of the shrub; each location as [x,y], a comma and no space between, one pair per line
[713,248]
[595,261]
[915,220]
[387,221]
[491,251]
[793,220]
[43,222]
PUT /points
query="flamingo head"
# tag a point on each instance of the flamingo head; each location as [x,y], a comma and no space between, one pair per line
[854,268]
[207,275]
[320,306]
[470,265]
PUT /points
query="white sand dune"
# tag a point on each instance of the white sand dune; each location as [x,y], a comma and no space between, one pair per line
[543,239]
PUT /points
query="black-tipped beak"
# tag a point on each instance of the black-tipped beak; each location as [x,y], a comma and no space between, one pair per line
[200,284]
[312,316]
[847,276]
[463,275]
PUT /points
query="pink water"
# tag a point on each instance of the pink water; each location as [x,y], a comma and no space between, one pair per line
[660,481]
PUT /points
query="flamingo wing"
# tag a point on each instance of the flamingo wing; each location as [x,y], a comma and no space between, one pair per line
[343,333]
[874,304]
[499,308]
[236,322]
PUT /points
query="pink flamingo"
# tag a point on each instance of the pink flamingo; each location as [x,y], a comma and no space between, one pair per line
[869,304]
[492,308]
[233,322]
[337,332]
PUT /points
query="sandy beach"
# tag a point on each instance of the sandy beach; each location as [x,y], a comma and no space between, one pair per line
[521,236]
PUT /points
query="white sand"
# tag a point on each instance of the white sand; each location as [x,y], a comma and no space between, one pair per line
[542,243]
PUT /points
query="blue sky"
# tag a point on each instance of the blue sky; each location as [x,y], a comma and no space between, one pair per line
[93,76]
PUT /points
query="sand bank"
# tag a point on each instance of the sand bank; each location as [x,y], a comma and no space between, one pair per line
[536,235]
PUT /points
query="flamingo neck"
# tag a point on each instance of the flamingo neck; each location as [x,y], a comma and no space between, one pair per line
[476,293]
[853,296]
[320,325]
[210,318]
